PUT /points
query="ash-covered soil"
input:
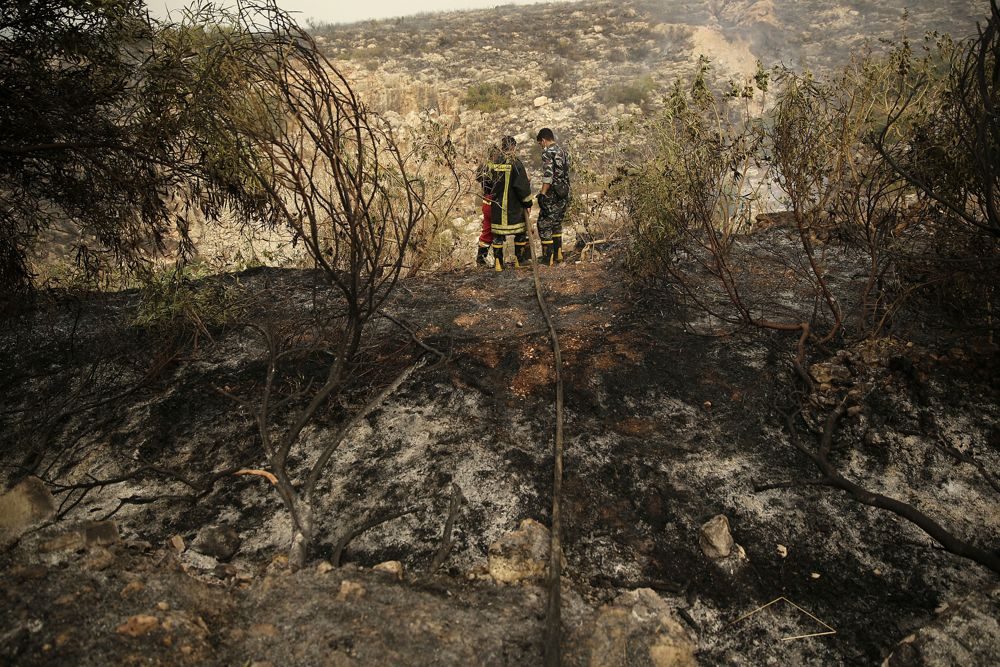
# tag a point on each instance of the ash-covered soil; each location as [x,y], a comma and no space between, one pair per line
[670,420]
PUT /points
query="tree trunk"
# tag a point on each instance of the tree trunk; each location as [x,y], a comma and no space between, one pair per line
[302,537]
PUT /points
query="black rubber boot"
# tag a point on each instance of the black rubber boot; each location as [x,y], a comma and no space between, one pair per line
[482,257]
[522,254]
[498,258]
[557,253]
[547,255]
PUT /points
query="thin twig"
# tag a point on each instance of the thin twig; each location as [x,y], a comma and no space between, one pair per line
[442,357]
[446,541]
[829,630]
[368,524]
[309,487]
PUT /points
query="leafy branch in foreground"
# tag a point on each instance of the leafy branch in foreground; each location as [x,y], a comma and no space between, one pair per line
[105,136]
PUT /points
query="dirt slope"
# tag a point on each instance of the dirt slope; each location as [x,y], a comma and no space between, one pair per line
[665,428]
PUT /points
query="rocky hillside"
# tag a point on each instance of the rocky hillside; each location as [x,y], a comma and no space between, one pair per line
[578,65]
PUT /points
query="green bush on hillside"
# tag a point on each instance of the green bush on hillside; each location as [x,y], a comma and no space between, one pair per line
[488,96]
[637,91]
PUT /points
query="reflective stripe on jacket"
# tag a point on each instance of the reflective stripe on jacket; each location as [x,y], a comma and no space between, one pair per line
[511,194]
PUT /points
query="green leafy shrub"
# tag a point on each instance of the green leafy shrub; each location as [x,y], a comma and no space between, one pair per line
[181,303]
[637,91]
[684,180]
[488,96]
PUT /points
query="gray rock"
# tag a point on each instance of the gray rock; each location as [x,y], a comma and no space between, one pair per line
[220,542]
[27,504]
[715,539]
[966,632]
[520,555]
[637,629]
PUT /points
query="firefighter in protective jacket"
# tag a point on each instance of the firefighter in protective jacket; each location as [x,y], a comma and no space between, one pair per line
[485,179]
[510,197]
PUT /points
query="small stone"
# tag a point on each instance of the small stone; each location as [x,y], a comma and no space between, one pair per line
[350,590]
[138,625]
[520,555]
[815,575]
[27,504]
[392,567]
[163,606]
[540,101]
[131,587]
[98,558]
[715,539]
[220,542]
[707,405]
[177,543]
[782,550]
[263,630]
[324,567]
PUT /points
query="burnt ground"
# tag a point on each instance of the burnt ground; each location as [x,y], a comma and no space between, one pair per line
[671,419]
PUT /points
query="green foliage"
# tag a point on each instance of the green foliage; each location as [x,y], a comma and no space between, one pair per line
[181,301]
[637,91]
[488,96]
[945,138]
[893,156]
[109,131]
[685,175]
[942,136]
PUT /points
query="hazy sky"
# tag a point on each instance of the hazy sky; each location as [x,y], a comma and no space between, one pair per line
[345,11]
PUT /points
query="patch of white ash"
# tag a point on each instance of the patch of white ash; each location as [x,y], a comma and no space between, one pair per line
[411,447]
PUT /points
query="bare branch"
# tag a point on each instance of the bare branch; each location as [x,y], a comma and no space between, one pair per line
[362,527]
